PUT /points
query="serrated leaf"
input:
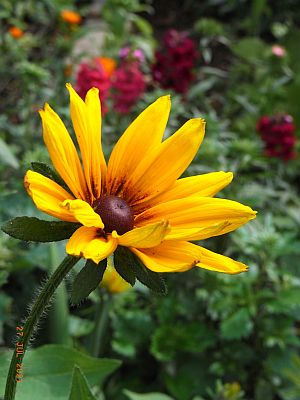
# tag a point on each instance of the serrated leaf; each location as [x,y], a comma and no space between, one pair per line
[147,396]
[48,371]
[32,229]
[122,267]
[87,280]
[80,388]
[152,280]
[46,170]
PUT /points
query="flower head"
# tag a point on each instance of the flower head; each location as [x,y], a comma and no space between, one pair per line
[136,55]
[175,61]
[278,51]
[16,32]
[72,17]
[95,74]
[128,84]
[277,132]
[137,200]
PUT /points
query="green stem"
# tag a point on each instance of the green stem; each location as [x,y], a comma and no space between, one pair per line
[37,310]
[101,320]
[58,319]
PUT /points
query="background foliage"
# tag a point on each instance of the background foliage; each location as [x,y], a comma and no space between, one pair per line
[213,336]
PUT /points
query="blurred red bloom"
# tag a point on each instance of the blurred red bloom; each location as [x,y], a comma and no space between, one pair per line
[175,61]
[277,132]
[72,17]
[128,85]
[95,74]
[16,32]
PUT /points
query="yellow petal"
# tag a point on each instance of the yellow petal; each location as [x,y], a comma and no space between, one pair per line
[145,236]
[48,196]
[86,242]
[206,185]
[179,256]
[170,256]
[83,213]
[198,212]
[145,132]
[63,152]
[86,119]
[219,263]
[113,282]
[165,163]
[196,233]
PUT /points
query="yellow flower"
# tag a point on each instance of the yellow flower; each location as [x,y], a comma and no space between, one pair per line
[113,282]
[72,17]
[137,200]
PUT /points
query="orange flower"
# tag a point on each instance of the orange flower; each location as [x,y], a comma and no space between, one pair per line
[71,17]
[108,64]
[16,32]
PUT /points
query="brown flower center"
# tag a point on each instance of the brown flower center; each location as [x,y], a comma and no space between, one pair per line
[115,213]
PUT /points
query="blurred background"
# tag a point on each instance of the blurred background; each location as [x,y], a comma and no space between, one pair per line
[234,63]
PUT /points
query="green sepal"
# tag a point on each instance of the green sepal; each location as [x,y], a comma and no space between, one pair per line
[122,265]
[32,229]
[87,280]
[153,280]
[46,170]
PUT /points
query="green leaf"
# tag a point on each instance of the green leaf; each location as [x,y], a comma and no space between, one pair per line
[87,280]
[152,280]
[122,267]
[36,230]
[251,49]
[148,396]
[6,155]
[48,371]
[49,172]
[237,326]
[80,388]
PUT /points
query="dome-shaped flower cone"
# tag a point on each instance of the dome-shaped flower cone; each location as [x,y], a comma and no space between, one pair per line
[138,200]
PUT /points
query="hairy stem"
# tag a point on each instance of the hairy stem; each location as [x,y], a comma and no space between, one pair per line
[36,311]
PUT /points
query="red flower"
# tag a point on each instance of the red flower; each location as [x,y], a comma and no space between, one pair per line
[175,61]
[128,84]
[94,75]
[277,132]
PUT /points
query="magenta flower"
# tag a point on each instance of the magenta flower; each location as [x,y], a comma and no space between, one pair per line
[128,84]
[277,132]
[93,75]
[175,61]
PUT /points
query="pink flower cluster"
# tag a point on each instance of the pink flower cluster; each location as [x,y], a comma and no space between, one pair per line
[277,132]
[175,61]
[124,85]
[128,84]
[93,75]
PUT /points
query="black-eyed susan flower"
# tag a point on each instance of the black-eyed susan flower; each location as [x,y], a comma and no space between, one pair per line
[137,200]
